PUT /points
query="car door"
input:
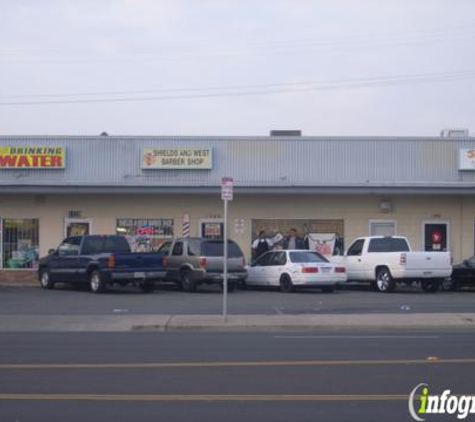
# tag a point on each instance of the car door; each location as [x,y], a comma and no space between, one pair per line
[466,271]
[78,271]
[279,266]
[64,263]
[256,271]
[174,260]
[275,268]
[353,260]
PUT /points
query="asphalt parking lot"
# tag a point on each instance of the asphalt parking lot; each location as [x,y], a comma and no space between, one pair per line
[353,299]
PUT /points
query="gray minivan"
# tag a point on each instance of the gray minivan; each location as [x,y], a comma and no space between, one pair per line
[190,262]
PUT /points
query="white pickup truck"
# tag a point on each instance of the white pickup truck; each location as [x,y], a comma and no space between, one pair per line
[387,260]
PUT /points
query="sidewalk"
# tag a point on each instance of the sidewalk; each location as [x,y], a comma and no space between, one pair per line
[236,323]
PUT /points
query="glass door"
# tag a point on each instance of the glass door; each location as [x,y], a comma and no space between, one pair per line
[77,226]
[436,236]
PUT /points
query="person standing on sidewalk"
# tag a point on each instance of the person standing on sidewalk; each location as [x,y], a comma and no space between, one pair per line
[292,241]
[260,245]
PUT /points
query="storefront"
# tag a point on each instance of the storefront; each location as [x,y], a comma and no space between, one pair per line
[151,189]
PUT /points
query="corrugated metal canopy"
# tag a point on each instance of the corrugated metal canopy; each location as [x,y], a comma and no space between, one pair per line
[260,164]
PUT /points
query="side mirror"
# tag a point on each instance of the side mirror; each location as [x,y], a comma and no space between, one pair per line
[51,251]
[467,263]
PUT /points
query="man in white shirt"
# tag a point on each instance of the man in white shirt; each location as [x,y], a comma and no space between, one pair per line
[261,245]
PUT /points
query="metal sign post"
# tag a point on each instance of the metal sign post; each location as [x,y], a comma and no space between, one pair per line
[1,242]
[226,195]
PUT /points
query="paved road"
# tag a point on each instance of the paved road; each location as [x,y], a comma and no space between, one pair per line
[166,300]
[232,377]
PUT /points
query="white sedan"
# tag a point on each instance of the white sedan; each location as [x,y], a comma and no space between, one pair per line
[295,268]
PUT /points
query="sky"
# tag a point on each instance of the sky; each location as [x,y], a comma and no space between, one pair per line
[237,67]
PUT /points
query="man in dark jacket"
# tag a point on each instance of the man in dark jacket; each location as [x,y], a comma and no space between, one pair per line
[292,241]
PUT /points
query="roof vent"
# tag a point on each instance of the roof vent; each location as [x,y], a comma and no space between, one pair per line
[454,133]
[285,133]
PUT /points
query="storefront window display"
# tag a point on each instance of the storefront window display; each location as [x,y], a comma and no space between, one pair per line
[20,243]
[324,236]
[212,230]
[145,234]
[435,237]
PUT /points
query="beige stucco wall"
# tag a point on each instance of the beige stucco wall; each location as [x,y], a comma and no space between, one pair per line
[355,210]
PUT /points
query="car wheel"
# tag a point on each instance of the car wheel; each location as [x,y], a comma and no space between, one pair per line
[430,286]
[385,281]
[96,283]
[449,285]
[45,280]
[187,282]
[286,284]
[147,286]
[328,289]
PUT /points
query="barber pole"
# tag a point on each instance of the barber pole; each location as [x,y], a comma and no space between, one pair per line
[186,225]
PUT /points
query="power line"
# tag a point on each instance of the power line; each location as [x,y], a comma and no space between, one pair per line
[252,90]
[261,47]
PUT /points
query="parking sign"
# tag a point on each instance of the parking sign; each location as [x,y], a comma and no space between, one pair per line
[227,188]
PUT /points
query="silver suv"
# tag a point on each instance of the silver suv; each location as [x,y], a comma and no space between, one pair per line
[190,262]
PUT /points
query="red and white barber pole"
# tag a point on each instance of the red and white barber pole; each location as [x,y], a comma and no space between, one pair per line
[186,225]
[226,195]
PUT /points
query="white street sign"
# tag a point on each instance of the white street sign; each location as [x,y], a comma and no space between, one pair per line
[227,188]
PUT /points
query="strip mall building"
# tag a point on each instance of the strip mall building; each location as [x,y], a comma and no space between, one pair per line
[331,189]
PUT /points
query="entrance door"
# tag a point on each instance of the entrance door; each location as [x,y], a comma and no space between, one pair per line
[77,226]
[436,236]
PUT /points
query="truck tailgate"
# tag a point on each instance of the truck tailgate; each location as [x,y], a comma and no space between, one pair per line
[216,264]
[428,261]
[138,261]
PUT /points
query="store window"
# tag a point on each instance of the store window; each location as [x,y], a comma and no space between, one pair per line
[212,228]
[19,243]
[145,234]
[382,228]
[323,236]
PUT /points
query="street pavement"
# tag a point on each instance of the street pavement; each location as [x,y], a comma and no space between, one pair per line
[150,376]
[70,355]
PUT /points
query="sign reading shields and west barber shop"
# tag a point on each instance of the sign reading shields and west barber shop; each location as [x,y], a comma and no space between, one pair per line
[19,158]
[177,158]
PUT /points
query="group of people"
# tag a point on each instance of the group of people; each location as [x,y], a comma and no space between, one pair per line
[262,244]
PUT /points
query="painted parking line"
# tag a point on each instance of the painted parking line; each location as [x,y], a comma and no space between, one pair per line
[357,337]
[205,397]
[159,365]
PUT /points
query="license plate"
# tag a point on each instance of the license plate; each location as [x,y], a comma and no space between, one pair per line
[139,275]
[326,270]
[427,273]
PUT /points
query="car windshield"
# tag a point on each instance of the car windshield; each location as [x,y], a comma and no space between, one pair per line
[216,248]
[306,256]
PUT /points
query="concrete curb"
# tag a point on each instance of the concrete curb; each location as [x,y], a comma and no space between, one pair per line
[236,323]
[20,284]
